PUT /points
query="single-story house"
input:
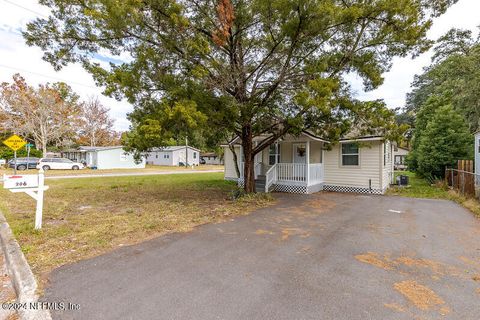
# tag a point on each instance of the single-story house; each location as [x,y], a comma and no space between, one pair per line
[400,155]
[113,157]
[173,156]
[211,158]
[307,164]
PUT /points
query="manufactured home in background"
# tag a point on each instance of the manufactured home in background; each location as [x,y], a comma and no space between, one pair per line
[211,158]
[308,164]
[173,156]
[113,157]
[399,159]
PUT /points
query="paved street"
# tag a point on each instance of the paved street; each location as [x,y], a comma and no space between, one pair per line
[323,256]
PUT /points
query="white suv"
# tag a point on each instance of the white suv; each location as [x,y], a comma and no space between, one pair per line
[59,164]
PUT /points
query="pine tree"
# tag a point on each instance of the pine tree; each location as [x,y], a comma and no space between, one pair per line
[445,140]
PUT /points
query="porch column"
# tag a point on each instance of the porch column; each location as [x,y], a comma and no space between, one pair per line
[307,178]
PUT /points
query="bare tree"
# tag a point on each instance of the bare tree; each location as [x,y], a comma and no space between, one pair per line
[48,113]
[96,126]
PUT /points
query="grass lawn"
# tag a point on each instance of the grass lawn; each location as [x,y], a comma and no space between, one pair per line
[421,188]
[147,169]
[87,217]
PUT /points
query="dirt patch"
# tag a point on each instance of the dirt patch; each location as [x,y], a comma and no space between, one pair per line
[375,260]
[434,266]
[287,232]
[320,204]
[394,306]
[261,231]
[478,290]
[305,249]
[476,277]
[387,263]
[421,296]
[444,311]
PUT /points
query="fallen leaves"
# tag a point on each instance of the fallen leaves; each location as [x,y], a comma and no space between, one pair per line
[375,260]
[421,296]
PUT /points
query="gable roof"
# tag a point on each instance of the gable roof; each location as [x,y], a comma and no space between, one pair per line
[304,132]
[88,148]
[173,148]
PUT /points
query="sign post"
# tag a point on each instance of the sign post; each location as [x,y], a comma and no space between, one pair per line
[28,146]
[15,143]
[33,185]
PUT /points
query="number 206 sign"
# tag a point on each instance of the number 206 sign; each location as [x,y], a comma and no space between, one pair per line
[20,181]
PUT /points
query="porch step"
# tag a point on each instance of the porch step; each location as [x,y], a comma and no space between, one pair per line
[260,184]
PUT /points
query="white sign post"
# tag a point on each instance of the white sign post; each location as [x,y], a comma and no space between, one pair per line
[33,185]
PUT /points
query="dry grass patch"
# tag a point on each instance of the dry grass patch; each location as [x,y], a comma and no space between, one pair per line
[86,217]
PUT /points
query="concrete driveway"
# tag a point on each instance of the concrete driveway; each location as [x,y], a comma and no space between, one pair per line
[322,256]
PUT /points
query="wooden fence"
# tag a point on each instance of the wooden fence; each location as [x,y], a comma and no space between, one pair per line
[463,178]
[460,180]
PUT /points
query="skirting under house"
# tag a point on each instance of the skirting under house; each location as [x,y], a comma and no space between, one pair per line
[303,189]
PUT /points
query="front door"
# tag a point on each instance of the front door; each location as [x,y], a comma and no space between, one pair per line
[299,153]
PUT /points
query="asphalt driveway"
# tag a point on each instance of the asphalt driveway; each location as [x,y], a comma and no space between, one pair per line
[323,256]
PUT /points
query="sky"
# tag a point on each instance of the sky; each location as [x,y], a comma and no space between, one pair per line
[17,57]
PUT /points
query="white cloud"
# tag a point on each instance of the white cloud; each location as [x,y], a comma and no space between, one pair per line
[462,15]
[17,57]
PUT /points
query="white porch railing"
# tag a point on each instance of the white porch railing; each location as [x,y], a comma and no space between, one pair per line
[316,173]
[293,172]
[270,177]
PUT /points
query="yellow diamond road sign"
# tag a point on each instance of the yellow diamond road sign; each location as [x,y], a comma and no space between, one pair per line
[14,142]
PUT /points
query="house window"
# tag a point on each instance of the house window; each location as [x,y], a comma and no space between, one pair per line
[274,154]
[399,159]
[478,145]
[194,155]
[156,156]
[350,154]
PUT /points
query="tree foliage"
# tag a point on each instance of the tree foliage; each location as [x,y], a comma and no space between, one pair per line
[454,75]
[95,126]
[7,153]
[247,67]
[48,113]
[445,140]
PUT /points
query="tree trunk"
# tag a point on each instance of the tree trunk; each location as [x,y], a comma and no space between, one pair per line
[235,159]
[248,169]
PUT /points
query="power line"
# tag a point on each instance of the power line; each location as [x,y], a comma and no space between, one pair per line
[51,77]
[25,8]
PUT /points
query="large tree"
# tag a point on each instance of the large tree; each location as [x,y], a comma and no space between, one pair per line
[454,74]
[445,140]
[95,124]
[48,113]
[251,67]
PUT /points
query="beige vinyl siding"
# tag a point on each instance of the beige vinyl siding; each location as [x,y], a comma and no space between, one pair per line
[355,176]
[316,151]
[286,150]
[230,172]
